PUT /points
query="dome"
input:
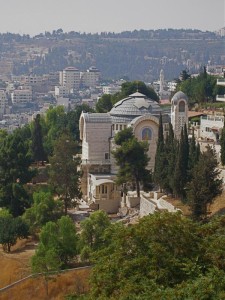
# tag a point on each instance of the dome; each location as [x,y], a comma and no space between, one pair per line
[178,96]
[134,105]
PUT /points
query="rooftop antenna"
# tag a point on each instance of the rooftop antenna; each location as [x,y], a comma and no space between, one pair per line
[137,87]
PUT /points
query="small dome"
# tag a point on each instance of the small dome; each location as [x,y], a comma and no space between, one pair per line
[178,96]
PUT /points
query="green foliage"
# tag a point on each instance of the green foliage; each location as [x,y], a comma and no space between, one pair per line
[132,158]
[164,256]
[15,172]
[205,184]
[58,245]
[92,233]
[37,143]
[152,253]
[222,143]
[200,89]
[129,88]
[11,229]
[44,209]
[160,159]
[63,172]
[104,104]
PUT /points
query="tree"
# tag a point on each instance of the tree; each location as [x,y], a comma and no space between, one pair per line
[63,172]
[205,184]
[159,252]
[11,229]
[37,143]
[104,104]
[44,209]
[59,239]
[15,172]
[194,154]
[160,158]
[222,143]
[180,174]
[132,158]
[92,233]
[171,147]
[129,88]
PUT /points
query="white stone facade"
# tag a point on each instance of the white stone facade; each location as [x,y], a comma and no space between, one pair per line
[97,131]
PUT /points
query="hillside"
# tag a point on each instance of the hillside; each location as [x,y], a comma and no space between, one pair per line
[136,55]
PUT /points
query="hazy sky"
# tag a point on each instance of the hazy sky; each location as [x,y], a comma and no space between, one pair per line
[35,16]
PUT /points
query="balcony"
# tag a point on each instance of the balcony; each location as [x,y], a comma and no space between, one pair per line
[221,81]
[95,162]
[220,98]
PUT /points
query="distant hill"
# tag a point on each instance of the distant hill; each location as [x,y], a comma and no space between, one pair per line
[138,54]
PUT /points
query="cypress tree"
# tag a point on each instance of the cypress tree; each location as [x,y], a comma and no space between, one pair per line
[37,143]
[194,153]
[222,143]
[205,184]
[180,176]
[160,159]
[171,153]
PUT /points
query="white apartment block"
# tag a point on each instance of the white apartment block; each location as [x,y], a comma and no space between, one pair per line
[61,91]
[111,89]
[21,96]
[3,101]
[91,77]
[70,78]
[211,127]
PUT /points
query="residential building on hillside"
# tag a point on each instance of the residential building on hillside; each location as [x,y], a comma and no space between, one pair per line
[221,82]
[90,78]
[3,102]
[70,78]
[21,96]
[111,89]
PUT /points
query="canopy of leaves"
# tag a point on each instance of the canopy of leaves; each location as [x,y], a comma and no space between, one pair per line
[200,89]
[11,229]
[63,171]
[205,184]
[132,158]
[58,245]
[44,209]
[15,171]
[164,256]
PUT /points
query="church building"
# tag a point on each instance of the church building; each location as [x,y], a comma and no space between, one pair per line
[97,131]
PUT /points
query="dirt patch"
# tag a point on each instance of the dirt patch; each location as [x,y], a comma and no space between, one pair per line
[72,282]
[16,264]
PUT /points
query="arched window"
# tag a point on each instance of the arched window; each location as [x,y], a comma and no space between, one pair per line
[182,106]
[146,134]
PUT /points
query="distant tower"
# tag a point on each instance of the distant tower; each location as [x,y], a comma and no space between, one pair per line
[161,84]
[179,112]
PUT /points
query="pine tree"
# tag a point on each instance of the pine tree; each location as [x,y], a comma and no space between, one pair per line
[132,159]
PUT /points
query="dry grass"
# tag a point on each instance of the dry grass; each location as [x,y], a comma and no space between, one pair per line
[218,205]
[58,287]
[176,202]
[16,265]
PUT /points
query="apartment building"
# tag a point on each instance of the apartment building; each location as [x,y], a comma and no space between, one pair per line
[21,96]
[3,102]
[91,77]
[70,78]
